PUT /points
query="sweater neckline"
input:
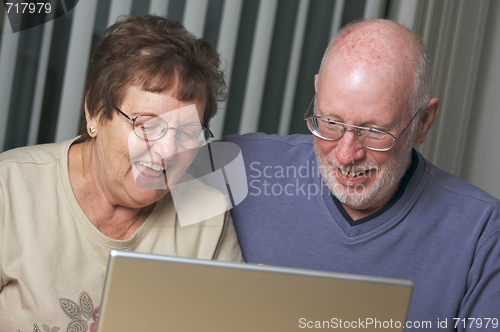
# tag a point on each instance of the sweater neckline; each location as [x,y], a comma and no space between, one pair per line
[385,216]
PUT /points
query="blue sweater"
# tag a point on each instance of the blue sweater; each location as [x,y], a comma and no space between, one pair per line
[439,231]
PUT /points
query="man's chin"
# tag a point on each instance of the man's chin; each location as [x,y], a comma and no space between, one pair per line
[359,198]
[356,202]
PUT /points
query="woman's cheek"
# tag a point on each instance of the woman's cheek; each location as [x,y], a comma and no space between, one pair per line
[137,148]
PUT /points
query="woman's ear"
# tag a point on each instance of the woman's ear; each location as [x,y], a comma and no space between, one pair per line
[92,122]
[426,119]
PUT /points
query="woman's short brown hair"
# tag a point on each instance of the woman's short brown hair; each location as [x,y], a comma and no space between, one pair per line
[154,53]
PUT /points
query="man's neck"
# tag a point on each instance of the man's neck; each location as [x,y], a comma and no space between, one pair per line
[357,214]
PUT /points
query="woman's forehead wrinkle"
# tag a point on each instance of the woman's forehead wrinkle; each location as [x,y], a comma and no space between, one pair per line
[183,115]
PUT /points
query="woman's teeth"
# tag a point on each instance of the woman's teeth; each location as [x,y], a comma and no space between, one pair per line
[352,174]
[153,166]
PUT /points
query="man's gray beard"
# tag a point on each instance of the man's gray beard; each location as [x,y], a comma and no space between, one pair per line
[360,196]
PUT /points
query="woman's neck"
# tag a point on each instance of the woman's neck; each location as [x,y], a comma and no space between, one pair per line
[113,220]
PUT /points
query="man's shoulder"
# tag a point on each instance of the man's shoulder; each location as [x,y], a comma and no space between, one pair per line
[273,148]
[459,189]
[295,139]
[262,140]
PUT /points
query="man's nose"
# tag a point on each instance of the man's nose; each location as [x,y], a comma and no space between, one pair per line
[348,148]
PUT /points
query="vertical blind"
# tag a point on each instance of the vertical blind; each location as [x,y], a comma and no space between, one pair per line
[271,51]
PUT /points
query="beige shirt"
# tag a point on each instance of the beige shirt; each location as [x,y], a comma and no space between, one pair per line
[53,260]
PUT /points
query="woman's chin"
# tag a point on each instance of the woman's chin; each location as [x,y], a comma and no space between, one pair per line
[145,197]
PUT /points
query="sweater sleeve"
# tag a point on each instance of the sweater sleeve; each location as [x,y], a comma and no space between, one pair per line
[480,308]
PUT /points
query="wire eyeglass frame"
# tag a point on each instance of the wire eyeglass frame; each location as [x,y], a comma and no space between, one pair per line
[355,129]
[207,133]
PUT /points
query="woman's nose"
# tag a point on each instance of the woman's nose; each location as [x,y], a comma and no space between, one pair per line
[166,146]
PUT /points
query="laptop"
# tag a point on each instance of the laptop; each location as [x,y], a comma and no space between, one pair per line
[144,292]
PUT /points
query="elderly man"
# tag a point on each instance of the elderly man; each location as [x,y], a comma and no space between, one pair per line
[357,198]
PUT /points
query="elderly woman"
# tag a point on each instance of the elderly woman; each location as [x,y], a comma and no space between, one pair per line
[151,90]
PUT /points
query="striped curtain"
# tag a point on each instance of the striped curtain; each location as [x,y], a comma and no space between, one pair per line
[271,50]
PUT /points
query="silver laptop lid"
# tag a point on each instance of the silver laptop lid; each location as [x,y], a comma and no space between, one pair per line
[144,292]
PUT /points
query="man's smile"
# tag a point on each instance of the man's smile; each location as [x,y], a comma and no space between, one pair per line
[352,174]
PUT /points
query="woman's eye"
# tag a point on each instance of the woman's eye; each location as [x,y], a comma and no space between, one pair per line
[147,127]
[187,134]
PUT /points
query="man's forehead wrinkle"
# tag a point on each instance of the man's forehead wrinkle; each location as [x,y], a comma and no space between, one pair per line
[371,47]
[376,39]
[362,72]
[375,50]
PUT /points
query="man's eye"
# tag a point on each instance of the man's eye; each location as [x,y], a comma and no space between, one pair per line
[333,125]
[374,133]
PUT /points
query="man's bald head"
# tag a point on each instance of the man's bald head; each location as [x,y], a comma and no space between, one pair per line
[382,50]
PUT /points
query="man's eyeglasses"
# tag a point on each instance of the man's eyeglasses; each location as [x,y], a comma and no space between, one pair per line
[370,138]
[150,128]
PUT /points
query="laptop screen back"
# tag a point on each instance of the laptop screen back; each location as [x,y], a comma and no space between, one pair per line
[146,292]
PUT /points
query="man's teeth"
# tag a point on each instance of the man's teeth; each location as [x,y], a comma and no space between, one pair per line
[352,174]
[153,166]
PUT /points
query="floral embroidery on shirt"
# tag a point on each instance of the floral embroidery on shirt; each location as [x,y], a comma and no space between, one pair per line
[81,314]
[46,328]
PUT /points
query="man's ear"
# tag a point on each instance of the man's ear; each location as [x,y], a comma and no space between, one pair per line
[426,119]
[316,83]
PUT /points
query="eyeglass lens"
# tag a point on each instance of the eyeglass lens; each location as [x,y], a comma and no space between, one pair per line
[152,128]
[371,139]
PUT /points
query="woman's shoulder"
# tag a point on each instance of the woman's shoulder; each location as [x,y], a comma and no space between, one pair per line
[37,154]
